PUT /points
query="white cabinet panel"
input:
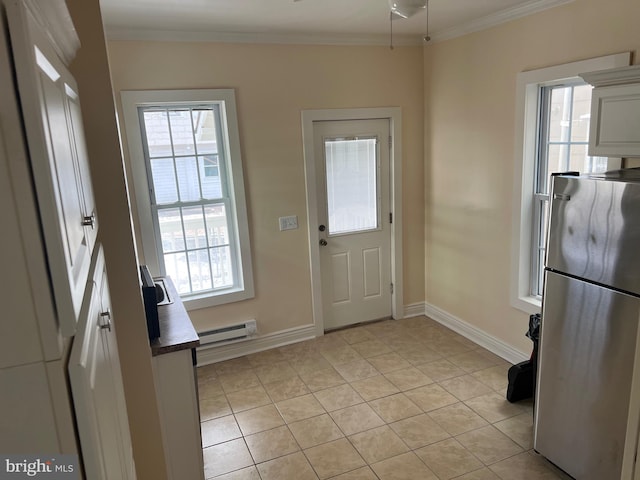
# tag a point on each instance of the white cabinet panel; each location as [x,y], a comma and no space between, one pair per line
[615,126]
[96,383]
[49,101]
[615,112]
[19,342]
[178,402]
[27,422]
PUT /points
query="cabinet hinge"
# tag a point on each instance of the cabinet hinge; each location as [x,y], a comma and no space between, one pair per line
[390,142]
[390,217]
[392,288]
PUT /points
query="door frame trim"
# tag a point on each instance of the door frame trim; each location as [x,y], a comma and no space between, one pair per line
[394,115]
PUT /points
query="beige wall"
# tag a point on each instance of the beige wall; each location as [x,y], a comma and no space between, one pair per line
[91,70]
[273,84]
[469,154]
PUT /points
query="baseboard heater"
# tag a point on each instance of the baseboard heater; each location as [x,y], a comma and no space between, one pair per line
[228,334]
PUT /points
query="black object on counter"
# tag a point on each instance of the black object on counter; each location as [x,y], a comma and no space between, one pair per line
[150,298]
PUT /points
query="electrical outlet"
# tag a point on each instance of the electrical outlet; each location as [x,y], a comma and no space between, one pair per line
[288,223]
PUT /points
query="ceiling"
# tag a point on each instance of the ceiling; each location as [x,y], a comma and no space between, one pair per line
[305,21]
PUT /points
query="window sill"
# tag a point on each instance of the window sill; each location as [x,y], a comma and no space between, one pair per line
[529,304]
[207,300]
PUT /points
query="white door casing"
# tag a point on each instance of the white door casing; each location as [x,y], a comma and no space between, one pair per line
[310,122]
[352,170]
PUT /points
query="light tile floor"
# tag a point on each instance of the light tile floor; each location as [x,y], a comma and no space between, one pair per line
[391,400]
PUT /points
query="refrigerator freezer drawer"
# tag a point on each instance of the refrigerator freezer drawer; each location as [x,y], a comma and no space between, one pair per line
[594,231]
[587,350]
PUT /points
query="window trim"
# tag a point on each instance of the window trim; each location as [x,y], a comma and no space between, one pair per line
[131,100]
[526,139]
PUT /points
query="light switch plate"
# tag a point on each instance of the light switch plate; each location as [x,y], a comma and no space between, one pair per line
[288,223]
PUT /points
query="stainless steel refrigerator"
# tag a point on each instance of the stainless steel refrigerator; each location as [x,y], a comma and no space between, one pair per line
[590,313]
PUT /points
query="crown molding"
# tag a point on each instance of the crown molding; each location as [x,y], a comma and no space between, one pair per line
[54,20]
[497,18]
[503,16]
[118,33]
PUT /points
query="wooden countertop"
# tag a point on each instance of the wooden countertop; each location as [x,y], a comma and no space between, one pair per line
[176,330]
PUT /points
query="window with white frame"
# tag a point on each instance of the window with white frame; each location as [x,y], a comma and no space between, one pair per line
[552,127]
[189,189]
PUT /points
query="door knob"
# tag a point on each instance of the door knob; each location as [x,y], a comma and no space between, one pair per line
[323,242]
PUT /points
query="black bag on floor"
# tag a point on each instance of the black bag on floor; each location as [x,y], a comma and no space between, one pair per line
[520,378]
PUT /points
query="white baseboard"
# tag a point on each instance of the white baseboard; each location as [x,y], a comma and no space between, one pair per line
[211,353]
[414,310]
[476,335]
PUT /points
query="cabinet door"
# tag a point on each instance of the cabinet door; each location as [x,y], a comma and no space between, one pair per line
[52,122]
[615,121]
[96,384]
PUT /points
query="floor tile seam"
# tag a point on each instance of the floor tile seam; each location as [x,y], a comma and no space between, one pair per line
[403,419]
[468,398]
[261,431]
[461,445]
[476,470]
[300,449]
[524,451]
[361,431]
[314,468]
[409,449]
[442,426]
[488,465]
[488,420]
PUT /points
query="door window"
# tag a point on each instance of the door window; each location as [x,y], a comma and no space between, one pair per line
[352,183]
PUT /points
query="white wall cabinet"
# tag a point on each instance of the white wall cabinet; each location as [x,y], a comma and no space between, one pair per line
[50,108]
[615,112]
[55,281]
[96,384]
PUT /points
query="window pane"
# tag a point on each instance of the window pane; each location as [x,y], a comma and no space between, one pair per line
[352,185]
[210,176]
[221,266]
[581,113]
[560,114]
[189,168]
[171,230]
[188,179]
[156,125]
[597,164]
[175,266]
[181,132]
[194,228]
[204,128]
[558,159]
[200,270]
[164,180]
[217,226]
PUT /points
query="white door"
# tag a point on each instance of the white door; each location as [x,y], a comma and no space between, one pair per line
[352,168]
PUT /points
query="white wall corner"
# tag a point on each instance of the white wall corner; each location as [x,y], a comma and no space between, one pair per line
[476,335]
[414,310]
